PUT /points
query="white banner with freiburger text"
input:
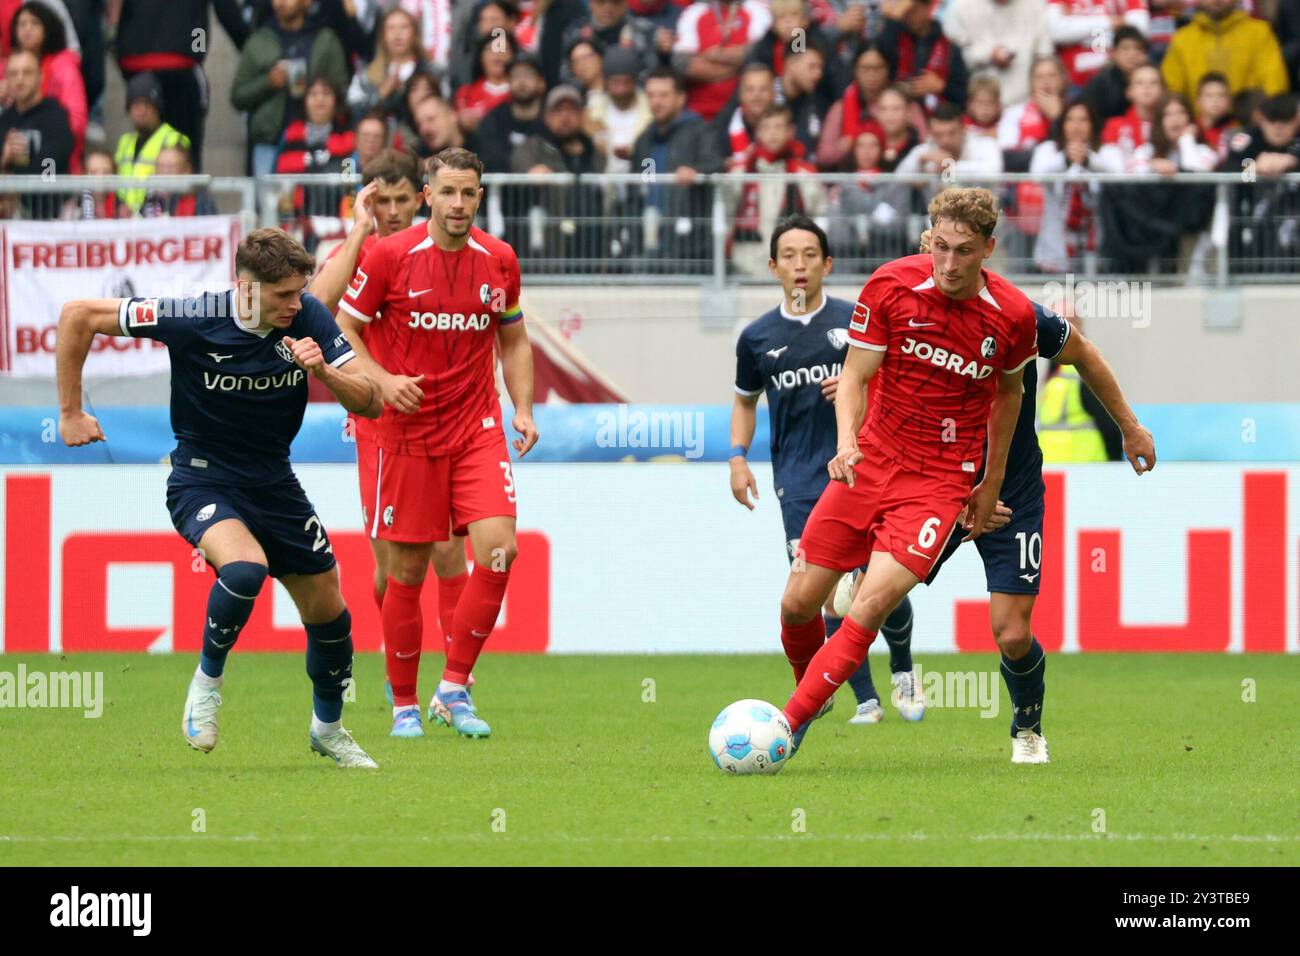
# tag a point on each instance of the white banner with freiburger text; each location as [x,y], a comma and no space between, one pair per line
[47,263]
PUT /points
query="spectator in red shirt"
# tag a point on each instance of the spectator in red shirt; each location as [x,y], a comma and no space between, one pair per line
[983,105]
[1124,134]
[713,40]
[37,29]
[894,111]
[491,86]
[848,115]
[1083,30]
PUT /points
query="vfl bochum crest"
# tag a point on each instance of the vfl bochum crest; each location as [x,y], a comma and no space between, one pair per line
[839,338]
[283,351]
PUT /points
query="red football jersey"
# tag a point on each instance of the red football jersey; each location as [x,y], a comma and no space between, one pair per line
[930,400]
[362,427]
[435,313]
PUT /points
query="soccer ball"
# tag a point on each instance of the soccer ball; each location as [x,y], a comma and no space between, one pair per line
[750,736]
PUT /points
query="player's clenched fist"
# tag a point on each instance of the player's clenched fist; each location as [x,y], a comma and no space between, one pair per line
[306,353]
[841,466]
[80,429]
[403,392]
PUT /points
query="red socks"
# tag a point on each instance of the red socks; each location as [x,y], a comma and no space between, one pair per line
[476,615]
[802,641]
[449,592]
[403,629]
[830,667]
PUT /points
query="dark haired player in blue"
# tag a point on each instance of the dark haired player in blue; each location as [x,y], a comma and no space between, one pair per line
[1012,555]
[239,366]
[793,354]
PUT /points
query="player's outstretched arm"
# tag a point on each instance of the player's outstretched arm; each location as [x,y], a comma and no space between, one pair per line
[860,366]
[1003,413]
[744,422]
[354,390]
[517,370]
[1096,373]
[79,322]
[332,280]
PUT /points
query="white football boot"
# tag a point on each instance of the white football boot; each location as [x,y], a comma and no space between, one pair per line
[908,698]
[342,749]
[868,712]
[1029,747]
[199,722]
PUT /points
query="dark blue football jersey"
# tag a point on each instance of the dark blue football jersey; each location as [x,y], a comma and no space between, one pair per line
[237,397]
[787,358]
[1024,480]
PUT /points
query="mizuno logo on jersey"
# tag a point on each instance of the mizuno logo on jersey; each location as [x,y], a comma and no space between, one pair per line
[945,359]
[793,378]
[248,383]
[861,316]
[450,321]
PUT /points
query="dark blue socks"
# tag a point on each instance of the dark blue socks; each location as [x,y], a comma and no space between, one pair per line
[1025,685]
[329,665]
[230,602]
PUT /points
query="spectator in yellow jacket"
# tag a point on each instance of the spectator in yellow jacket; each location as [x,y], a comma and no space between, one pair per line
[1225,39]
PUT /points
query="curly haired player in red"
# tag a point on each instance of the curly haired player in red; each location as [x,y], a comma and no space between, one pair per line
[438,298]
[943,343]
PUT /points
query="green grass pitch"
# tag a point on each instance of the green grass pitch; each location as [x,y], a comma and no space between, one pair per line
[1161,751]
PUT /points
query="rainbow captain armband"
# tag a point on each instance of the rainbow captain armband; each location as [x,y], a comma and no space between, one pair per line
[512,314]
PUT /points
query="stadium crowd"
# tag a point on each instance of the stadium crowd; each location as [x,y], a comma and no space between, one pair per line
[680,89]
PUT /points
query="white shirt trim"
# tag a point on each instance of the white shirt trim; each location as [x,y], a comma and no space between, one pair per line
[343,359]
[867,345]
[359,316]
[747,393]
[808,317]
[474,245]
[1012,371]
[927,284]
[426,243]
[987,296]
[121,318]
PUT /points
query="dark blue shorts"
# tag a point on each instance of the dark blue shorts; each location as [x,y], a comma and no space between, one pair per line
[1011,556]
[278,515]
[794,515]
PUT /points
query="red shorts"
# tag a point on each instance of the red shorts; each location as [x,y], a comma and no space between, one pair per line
[367,476]
[889,508]
[415,499]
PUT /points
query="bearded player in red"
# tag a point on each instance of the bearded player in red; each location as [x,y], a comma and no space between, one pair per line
[943,344]
[388,204]
[437,297]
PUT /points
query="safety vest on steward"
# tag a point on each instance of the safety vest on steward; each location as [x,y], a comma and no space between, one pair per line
[1066,432]
[144,164]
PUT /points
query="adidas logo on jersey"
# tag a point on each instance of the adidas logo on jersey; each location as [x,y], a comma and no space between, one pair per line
[945,359]
[449,321]
[811,375]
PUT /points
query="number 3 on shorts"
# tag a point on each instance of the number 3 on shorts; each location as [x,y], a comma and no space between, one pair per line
[510,481]
[928,533]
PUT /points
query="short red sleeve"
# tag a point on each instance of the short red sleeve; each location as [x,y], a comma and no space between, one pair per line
[869,326]
[1024,346]
[366,293]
